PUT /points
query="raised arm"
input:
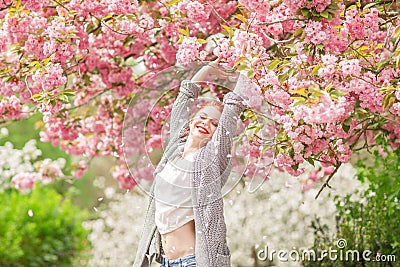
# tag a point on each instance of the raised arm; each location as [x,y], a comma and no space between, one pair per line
[181,109]
[234,104]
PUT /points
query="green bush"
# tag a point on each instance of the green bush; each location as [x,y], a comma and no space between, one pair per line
[40,229]
[372,222]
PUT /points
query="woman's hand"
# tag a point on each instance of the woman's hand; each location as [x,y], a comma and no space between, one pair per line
[212,69]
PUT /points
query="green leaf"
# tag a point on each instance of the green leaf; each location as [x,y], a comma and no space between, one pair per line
[273,64]
[337,93]
[370,5]
[242,67]
[298,100]
[305,12]
[201,41]
[34,63]
[300,91]
[298,32]
[240,60]
[325,14]
[63,98]
[185,32]
[329,87]
[37,97]
[388,101]
[311,161]
[241,18]
[346,128]
[69,92]
[315,69]
[396,32]
[295,167]
[173,2]
[228,30]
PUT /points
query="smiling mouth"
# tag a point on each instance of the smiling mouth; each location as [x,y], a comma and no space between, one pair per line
[202,130]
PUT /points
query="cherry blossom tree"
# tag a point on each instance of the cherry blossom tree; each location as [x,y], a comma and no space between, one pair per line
[329,70]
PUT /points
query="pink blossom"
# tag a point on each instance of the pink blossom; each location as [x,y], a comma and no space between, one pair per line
[81,169]
[153,142]
[51,77]
[188,50]
[12,109]
[256,6]
[194,10]
[350,67]
[123,176]
[24,180]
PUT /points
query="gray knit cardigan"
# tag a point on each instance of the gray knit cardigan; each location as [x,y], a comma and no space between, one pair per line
[212,166]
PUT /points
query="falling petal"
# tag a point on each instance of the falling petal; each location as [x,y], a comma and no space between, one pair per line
[229,156]
[30,213]
[100,199]
[95,209]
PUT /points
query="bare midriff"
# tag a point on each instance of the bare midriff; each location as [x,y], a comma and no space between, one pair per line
[180,242]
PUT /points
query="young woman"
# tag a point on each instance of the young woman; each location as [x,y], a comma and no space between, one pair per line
[184,224]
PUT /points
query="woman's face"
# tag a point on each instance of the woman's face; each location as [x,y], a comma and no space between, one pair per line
[204,123]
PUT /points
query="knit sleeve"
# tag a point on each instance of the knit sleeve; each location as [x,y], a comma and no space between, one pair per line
[181,109]
[223,136]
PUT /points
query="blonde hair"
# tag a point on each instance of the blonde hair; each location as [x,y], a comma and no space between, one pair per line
[214,103]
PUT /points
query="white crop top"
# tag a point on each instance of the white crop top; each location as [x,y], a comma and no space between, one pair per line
[173,194]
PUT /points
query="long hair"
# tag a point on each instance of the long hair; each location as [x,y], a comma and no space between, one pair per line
[214,103]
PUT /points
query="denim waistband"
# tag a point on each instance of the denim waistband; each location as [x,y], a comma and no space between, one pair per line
[180,262]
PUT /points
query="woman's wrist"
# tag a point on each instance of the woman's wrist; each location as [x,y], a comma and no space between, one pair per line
[201,75]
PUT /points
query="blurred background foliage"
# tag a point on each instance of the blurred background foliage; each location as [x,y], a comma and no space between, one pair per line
[371,220]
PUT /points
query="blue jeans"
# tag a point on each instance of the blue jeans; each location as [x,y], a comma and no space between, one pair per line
[186,261]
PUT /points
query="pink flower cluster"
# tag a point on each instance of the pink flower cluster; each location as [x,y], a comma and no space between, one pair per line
[194,10]
[50,77]
[315,32]
[24,180]
[261,6]
[326,111]
[226,51]
[121,173]
[350,67]
[188,50]
[81,169]
[45,172]
[315,175]
[328,69]
[103,7]
[12,109]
